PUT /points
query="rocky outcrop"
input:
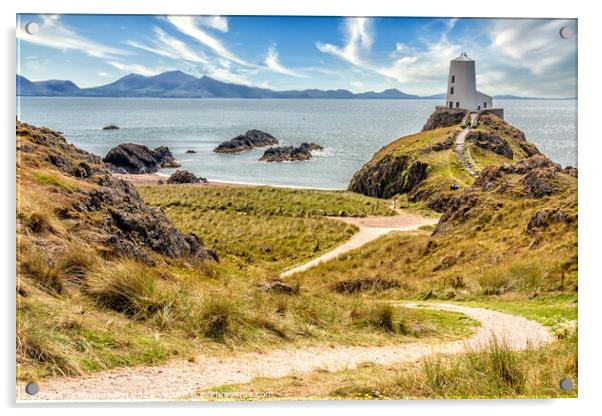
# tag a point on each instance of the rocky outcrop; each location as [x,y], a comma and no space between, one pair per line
[491,142]
[444,117]
[545,217]
[105,212]
[250,140]
[290,153]
[389,176]
[137,158]
[538,174]
[533,177]
[184,176]
[111,127]
[132,227]
[190,151]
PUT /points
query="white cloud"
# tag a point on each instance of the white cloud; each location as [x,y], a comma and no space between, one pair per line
[54,34]
[189,25]
[136,68]
[214,22]
[274,65]
[170,47]
[358,38]
[532,44]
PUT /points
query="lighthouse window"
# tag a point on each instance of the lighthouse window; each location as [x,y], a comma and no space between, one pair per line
[451,105]
[451,90]
[485,105]
[453,79]
[457,104]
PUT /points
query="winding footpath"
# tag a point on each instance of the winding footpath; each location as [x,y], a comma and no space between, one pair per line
[181,379]
[465,160]
[370,228]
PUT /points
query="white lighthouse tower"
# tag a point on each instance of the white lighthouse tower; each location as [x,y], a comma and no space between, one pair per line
[462,86]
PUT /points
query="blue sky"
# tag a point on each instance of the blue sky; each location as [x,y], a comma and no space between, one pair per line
[513,56]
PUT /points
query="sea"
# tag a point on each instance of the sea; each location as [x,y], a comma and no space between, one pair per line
[351,131]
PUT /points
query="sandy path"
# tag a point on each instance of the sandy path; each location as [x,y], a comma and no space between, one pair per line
[181,378]
[370,228]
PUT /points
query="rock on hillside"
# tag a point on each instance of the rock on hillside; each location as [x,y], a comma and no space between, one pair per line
[250,140]
[137,158]
[532,178]
[444,117]
[77,193]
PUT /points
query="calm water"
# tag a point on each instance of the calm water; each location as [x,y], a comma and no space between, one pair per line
[351,131]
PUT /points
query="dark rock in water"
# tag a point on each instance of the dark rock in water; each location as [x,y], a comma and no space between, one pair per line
[290,153]
[277,286]
[183,176]
[137,158]
[311,146]
[111,127]
[247,141]
[166,157]
[444,117]
[491,142]
[190,151]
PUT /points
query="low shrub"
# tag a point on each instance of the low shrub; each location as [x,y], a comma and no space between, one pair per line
[363,284]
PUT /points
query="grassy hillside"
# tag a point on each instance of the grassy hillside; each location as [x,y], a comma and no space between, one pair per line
[105,280]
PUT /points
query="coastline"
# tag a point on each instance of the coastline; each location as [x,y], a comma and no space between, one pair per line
[153,179]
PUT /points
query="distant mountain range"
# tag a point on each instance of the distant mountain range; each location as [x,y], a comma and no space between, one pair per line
[177,84]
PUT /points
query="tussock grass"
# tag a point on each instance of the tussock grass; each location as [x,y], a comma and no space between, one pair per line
[363,284]
[494,372]
[39,267]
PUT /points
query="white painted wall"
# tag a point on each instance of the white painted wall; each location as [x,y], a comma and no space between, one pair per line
[462,86]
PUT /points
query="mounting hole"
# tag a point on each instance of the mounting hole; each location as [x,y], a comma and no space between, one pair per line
[32,28]
[566,32]
[566,384]
[32,388]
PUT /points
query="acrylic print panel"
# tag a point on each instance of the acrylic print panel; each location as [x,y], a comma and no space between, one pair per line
[249,207]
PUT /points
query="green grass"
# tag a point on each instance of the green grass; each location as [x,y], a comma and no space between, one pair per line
[263,200]
[264,244]
[53,180]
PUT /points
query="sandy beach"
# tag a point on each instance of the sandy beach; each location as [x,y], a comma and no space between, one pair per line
[154,178]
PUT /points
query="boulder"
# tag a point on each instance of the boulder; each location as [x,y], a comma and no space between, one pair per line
[184,176]
[250,140]
[137,158]
[190,151]
[278,286]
